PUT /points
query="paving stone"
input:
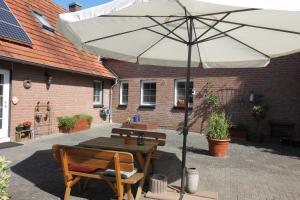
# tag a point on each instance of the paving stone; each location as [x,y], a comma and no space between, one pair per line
[249,172]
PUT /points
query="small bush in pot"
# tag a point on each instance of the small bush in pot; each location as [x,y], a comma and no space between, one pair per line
[66,123]
[88,118]
[216,126]
[217,134]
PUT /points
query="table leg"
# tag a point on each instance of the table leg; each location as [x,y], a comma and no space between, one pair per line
[140,159]
[145,171]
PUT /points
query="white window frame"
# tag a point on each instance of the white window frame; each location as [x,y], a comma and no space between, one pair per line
[100,103]
[121,92]
[176,87]
[142,93]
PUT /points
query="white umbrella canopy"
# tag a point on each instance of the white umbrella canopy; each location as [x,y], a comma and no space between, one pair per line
[253,31]
[192,33]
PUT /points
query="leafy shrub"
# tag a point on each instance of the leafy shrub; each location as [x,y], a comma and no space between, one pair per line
[88,118]
[4,178]
[217,126]
[66,122]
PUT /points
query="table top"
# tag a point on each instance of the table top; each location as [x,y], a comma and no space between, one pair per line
[118,144]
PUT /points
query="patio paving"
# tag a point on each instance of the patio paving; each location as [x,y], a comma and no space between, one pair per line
[251,171]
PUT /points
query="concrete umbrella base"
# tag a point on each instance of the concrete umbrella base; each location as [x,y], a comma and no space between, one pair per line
[173,192]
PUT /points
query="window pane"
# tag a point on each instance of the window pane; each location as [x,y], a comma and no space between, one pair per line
[180,92]
[97,92]
[149,93]
[42,19]
[96,99]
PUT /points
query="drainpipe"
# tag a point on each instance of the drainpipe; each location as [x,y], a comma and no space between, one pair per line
[116,81]
[110,99]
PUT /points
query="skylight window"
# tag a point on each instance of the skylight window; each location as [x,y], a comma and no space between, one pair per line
[43,21]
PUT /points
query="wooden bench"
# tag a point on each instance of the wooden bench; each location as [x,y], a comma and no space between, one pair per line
[78,162]
[148,135]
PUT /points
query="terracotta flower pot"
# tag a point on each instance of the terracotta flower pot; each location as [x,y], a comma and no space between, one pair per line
[218,148]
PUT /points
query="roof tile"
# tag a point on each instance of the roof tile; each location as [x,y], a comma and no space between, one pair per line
[48,48]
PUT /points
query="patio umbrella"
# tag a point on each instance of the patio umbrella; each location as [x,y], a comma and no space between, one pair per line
[188,33]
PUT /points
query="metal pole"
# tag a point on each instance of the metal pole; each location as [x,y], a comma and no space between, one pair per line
[186,110]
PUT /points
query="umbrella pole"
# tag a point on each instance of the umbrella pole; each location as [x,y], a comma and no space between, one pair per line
[186,109]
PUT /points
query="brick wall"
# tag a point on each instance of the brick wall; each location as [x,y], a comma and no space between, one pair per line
[279,83]
[68,94]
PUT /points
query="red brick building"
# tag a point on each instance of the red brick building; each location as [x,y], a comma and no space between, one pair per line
[78,82]
[279,83]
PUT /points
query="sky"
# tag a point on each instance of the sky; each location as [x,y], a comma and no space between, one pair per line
[83,3]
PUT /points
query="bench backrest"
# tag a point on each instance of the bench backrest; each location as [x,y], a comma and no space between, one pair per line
[101,159]
[148,135]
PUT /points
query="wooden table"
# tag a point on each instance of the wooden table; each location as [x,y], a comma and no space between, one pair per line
[117,144]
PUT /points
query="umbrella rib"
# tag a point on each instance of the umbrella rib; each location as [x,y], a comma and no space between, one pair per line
[126,32]
[148,29]
[219,34]
[233,38]
[140,16]
[164,27]
[214,25]
[158,41]
[252,26]
[195,33]
[232,11]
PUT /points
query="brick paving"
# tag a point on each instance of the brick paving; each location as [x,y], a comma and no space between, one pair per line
[249,172]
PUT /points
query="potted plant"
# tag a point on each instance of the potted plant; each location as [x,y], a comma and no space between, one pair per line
[217,134]
[82,122]
[74,123]
[27,125]
[65,124]
[259,112]
[238,131]
[19,127]
[216,126]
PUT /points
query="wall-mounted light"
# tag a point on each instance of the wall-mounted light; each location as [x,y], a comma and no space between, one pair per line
[251,97]
[49,79]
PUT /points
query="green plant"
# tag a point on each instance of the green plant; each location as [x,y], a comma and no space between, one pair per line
[88,118]
[4,178]
[259,111]
[217,126]
[211,97]
[66,122]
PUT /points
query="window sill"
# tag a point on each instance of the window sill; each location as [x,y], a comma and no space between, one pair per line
[147,106]
[181,108]
[98,105]
[122,105]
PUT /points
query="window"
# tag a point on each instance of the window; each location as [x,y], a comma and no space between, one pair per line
[148,93]
[43,21]
[179,100]
[123,93]
[98,93]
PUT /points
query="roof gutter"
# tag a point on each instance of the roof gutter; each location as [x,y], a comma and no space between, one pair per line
[53,67]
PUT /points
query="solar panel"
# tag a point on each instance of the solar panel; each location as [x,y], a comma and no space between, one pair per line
[9,26]
[7,16]
[3,5]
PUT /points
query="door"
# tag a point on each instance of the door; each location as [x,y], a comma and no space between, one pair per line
[4,105]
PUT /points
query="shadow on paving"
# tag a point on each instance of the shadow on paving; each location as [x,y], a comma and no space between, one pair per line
[41,170]
[196,150]
[272,148]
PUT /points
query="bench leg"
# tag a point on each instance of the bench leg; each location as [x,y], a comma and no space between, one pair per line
[68,191]
[129,193]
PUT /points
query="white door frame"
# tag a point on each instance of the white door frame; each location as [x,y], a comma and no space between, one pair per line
[4,135]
